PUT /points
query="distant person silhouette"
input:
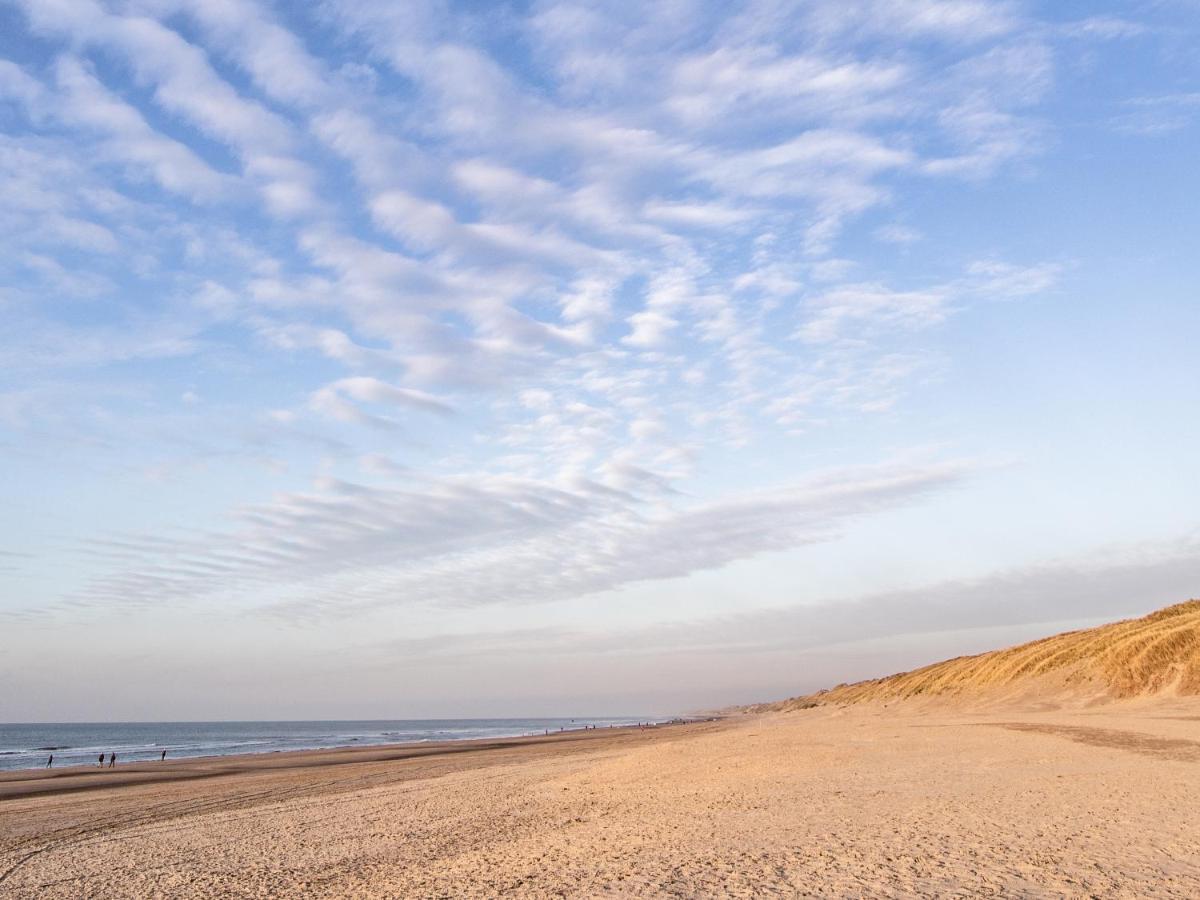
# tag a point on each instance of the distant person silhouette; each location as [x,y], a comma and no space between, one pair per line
[50,761]
[102,760]
[164,756]
[112,760]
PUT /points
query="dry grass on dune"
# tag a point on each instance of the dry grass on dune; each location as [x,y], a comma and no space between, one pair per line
[1133,658]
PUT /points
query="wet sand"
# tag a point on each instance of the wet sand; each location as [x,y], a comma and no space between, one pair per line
[829,802]
[64,779]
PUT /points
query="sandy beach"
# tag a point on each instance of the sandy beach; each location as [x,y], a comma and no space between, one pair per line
[399,398]
[859,801]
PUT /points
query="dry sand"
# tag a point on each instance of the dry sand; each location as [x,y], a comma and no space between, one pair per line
[1155,655]
[860,801]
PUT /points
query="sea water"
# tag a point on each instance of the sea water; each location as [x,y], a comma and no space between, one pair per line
[24,746]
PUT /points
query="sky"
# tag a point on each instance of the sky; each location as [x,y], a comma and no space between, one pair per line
[379,360]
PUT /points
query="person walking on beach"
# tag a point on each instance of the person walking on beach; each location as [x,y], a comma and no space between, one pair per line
[50,761]
[102,760]
[163,758]
[112,760]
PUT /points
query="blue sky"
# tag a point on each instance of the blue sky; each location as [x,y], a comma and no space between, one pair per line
[413,359]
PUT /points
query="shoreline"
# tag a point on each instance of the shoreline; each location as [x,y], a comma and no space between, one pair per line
[31,782]
[189,746]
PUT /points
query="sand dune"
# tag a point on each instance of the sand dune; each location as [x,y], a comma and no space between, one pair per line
[1155,655]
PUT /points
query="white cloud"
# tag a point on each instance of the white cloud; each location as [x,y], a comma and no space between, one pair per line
[20,87]
[1103,28]
[872,306]
[1112,582]
[1158,115]
[724,84]
[423,224]
[185,84]
[336,400]
[1007,280]
[132,141]
[489,540]
[898,234]
[381,464]
[699,215]
[602,254]
[956,20]
[864,310]
[649,329]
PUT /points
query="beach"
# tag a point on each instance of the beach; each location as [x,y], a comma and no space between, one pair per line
[858,801]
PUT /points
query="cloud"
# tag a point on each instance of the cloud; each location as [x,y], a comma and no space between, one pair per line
[275,58]
[580,275]
[699,215]
[184,84]
[649,328]
[955,20]
[381,464]
[857,311]
[335,400]
[874,305]
[130,140]
[179,72]
[1001,279]
[487,540]
[721,85]
[1109,583]
[1103,28]
[21,88]
[897,234]
[424,224]
[1157,115]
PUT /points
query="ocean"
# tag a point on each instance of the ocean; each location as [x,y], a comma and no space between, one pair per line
[26,746]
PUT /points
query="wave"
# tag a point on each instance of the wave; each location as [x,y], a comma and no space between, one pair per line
[26,745]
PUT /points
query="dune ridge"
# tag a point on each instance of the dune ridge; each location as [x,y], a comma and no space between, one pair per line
[1156,654]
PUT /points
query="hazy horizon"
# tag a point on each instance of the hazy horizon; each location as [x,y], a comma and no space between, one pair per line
[398,361]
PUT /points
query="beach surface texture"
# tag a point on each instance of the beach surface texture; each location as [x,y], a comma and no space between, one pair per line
[926,796]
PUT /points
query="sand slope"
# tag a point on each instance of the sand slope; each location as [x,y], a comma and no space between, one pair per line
[1157,654]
